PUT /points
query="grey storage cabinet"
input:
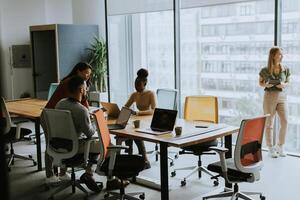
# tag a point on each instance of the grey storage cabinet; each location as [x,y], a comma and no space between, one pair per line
[56,48]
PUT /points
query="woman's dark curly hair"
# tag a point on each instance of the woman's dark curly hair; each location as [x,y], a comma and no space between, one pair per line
[142,75]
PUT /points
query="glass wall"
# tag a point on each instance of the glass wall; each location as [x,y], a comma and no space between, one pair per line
[222,49]
[140,40]
[290,42]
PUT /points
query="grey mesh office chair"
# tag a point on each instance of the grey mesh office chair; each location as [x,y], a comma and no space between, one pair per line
[13,133]
[62,145]
[167,99]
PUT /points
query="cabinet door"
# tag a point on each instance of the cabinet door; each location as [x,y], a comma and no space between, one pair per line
[44,60]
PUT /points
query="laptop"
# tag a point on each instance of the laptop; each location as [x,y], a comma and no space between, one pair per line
[163,122]
[112,109]
[122,119]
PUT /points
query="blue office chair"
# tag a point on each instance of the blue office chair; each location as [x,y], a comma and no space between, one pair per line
[52,89]
[167,99]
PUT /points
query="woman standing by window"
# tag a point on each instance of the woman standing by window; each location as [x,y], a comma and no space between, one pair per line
[275,78]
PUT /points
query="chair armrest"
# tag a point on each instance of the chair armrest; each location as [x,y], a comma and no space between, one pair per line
[117,147]
[221,151]
[113,150]
[87,145]
[18,121]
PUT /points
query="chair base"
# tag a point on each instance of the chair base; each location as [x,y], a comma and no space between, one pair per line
[11,159]
[195,169]
[73,182]
[129,196]
[66,184]
[122,195]
[156,153]
[227,192]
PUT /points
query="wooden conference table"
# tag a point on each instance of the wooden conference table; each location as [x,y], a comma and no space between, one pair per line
[190,136]
[30,109]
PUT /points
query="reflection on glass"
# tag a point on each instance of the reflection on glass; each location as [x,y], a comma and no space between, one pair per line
[223,48]
[143,40]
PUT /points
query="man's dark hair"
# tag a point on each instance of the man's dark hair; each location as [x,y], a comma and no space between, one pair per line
[74,83]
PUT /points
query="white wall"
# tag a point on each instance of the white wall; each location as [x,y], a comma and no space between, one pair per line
[90,12]
[15,18]
[58,11]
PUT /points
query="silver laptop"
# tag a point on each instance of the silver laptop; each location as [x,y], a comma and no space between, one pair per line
[112,109]
[163,122]
[122,119]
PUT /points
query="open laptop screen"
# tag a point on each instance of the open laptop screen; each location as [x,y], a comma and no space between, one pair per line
[163,119]
[124,116]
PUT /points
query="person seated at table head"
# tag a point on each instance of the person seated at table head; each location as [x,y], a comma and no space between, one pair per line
[80,69]
[145,103]
[80,114]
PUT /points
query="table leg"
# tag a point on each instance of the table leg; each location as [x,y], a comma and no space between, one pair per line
[228,154]
[164,179]
[38,144]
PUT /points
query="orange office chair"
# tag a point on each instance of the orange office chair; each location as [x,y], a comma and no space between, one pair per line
[112,164]
[199,108]
[247,161]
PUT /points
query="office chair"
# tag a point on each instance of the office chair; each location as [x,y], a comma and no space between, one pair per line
[62,146]
[247,161]
[110,164]
[52,89]
[13,134]
[199,108]
[167,99]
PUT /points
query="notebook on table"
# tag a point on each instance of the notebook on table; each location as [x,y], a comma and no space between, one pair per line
[162,122]
[122,119]
[112,109]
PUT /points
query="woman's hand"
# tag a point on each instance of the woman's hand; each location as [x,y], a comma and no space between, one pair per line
[268,85]
[281,85]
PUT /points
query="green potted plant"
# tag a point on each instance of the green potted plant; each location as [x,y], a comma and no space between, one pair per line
[98,60]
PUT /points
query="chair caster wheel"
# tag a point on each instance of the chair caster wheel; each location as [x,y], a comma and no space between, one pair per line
[183,183]
[262,197]
[176,156]
[216,183]
[171,164]
[173,173]
[30,156]
[34,163]
[142,196]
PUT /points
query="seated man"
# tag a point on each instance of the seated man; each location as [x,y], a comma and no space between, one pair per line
[83,125]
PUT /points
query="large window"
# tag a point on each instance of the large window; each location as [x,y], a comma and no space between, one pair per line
[290,37]
[140,40]
[222,49]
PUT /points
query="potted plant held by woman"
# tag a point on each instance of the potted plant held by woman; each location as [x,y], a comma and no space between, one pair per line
[98,60]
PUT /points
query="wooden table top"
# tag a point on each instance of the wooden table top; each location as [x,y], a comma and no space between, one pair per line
[188,137]
[29,108]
